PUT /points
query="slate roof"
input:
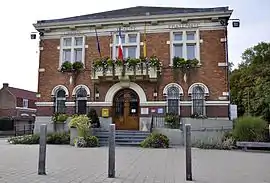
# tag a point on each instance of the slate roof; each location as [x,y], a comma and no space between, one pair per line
[25,94]
[136,11]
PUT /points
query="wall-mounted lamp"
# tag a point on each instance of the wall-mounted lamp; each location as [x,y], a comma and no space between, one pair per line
[38,95]
[155,94]
[97,94]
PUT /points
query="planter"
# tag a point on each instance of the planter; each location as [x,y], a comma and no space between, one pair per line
[118,70]
[73,135]
[109,71]
[152,72]
[98,72]
[59,127]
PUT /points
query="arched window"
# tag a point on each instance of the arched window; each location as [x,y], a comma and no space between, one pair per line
[81,101]
[60,100]
[173,99]
[198,100]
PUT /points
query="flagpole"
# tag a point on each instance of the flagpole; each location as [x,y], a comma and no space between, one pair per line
[98,46]
[144,42]
[111,45]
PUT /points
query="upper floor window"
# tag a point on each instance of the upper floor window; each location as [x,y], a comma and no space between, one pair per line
[185,44]
[130,44]
[25,103]
[72,49]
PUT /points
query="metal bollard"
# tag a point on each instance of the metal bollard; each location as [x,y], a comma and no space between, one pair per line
[188,153]
[111,163]
[42,150]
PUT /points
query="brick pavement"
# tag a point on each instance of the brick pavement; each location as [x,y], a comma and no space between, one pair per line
[66,164]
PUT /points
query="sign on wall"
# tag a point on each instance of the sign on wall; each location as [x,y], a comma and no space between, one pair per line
[105,112]
[144,110]
[181,26]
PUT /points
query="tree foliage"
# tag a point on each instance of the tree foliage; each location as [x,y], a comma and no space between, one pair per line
[250,83]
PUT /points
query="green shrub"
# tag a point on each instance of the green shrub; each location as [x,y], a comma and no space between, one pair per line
[91,141]
[250,128]
[53,138]
[58,138]
[25,139]
[227,144]
[172,121]
[88,141]
[82,124]
[155,140]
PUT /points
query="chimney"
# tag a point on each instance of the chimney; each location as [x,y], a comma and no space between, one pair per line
[5,85]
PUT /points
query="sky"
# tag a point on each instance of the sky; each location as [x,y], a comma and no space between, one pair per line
[19,54]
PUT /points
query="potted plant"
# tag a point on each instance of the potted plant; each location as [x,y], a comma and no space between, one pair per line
[59,120]
[132,63]
[172,121]
[66,67]
[77,66]
[154,66]
[98,66]
[79,127]
[110,67]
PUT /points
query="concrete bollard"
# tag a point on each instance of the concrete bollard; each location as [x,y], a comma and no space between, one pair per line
[111,163]
[42,150]
[188,153]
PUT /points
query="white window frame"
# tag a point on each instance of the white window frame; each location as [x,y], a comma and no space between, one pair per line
[72,47]
[126,44]
[204,100]
[25,101]
[179,99]
[184,42]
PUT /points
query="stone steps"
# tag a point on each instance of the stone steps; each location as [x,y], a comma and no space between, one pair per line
[122,137]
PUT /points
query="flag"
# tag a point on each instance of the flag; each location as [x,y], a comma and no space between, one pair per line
[98,46]
[120,47]
[144,41]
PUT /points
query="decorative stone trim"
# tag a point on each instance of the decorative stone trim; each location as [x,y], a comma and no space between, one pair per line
[225,93]
[99,104]
[44,104]
[222,98]
[70,104]
[26,109]
[170,85]
[41,48]
[222,64]
[153,103]
[41,70]
[81,86]
[58,87]
[206,90]
[222,40]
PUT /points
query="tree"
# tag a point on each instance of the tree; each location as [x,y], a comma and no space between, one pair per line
[250,83]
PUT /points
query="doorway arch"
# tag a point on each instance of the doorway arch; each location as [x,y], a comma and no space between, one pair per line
[126,110]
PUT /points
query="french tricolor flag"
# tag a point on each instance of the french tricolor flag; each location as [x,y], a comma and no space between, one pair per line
[120,47]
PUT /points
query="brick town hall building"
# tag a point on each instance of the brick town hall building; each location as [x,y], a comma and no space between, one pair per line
[185,70]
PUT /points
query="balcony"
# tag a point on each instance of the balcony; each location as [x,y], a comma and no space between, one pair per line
[131,69]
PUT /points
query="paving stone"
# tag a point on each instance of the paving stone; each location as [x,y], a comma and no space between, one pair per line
[66,164]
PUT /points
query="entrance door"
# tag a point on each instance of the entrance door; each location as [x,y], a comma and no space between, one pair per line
[126,110]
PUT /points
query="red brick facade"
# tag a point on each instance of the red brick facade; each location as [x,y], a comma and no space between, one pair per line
[212,52]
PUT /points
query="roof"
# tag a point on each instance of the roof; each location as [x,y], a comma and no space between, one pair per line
[25,94]
[137,11]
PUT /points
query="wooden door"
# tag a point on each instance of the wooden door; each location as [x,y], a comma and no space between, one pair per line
[126,110]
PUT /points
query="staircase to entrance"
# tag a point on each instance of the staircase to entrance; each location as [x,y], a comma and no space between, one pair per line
[122,137]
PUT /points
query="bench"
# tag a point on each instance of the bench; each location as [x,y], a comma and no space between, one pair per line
[245,145]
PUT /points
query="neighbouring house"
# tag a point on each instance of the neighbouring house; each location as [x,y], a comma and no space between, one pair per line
[17,108]
[174,61]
